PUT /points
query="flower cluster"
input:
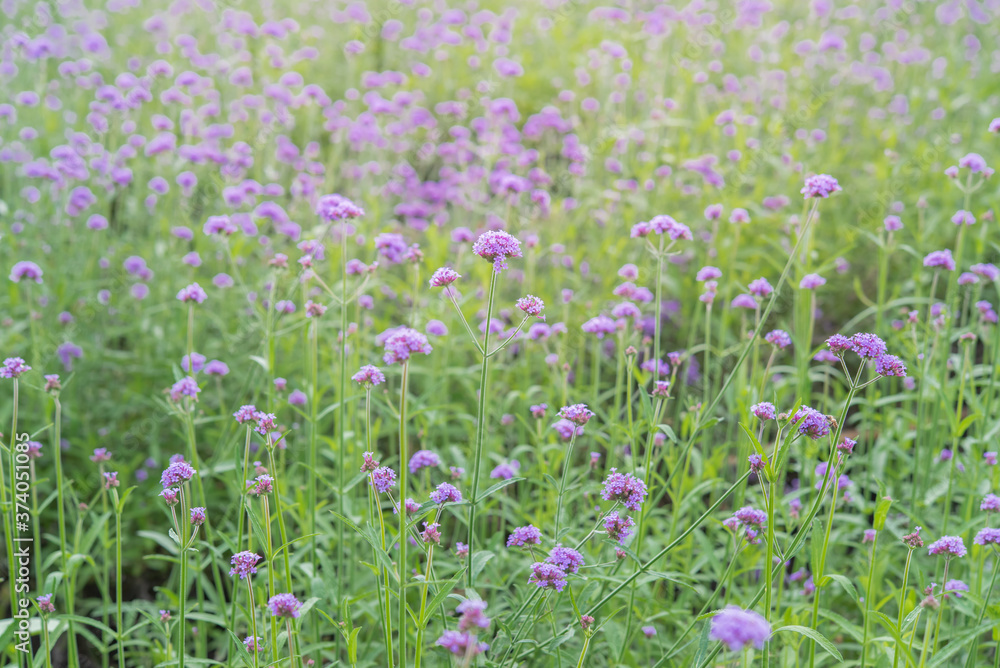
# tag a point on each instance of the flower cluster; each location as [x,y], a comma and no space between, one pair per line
[626,488]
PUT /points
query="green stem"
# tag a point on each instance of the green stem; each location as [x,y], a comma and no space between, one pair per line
[118,581]
[403,469]
[902,602]
[982,613]
[252,612]
[868,600]
[480,428]
[562,483]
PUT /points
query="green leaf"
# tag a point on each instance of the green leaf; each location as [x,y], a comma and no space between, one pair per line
[494,488]
[124,497]
[881,512]
[843,582]
[479,560]
[91,622]
[242,650]
[901,646]
[308,605]
[815,635]
[442,594]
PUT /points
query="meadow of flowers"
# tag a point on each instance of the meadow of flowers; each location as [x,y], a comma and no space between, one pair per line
[538,333]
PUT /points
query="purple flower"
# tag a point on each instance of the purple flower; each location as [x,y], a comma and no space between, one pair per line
[177,473]
[820,185]
[956,587]
[402,343]
[547,576]
[369,376]
[100,455]
[461,644]
[600,325]
[423,459]
[839,344]
[198,363]
[531,305]
[461,550]
[811,281]
[192,293]
[505,471]
[566,429]
[892,223]
[974,162]
[538,410]
[526,535]
[13,367]
[246,414]
[244,564]
[284,605]
[868,346]
[744,301]
[567,559]
[890,365]
[618,527]
[764,410]
[813,423]
[444,277]
[737,628]
[446,493]
[383,479]
[991,503]
[431,533]
[624,487]
[941,258]
[578,414]
[297,398]
[252,643]
[750,517]
[217,368]
[185,387]
[337,207]
[497,246]
[26,269]
[987,536]
[778,338]
[262,484]
[648,631]
[45,603]
[760,287]
[963,217]
[756,463]
[170,496]
[708,273]
[950,546]
[473,615]
[664,224]
[111,479]
[198,516]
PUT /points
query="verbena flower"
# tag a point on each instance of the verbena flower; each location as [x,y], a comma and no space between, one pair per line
[473,615]
[497,247]
[991,503]
[25,270]
[383,479]
[253,643]
[431,533]
[13,367]
[940,259]
[263,484]
[764,410]
[737,628]
[949,546]
[369,376]
[526,535]
[246,414]
[987,536]
[45,603]
[531,305]
[568,559]
[461,644]
[626,488]
[192,293]
[185,387]
[868,346]
[547,576]
[244,564]
[814,424]
[778,338]
[578,414]
[505,471]
[444,277]
[750,517]
[760,287]
[955,587]
[648,631]
[538,410]
[198,516]
[812,281]
[284,605]
[839,344]
[337,207]
[820,185]
[423,459]
[402,343]
[618,527]
[446,493]
[176,474]
[171,496]
[756,463]
[890,365]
